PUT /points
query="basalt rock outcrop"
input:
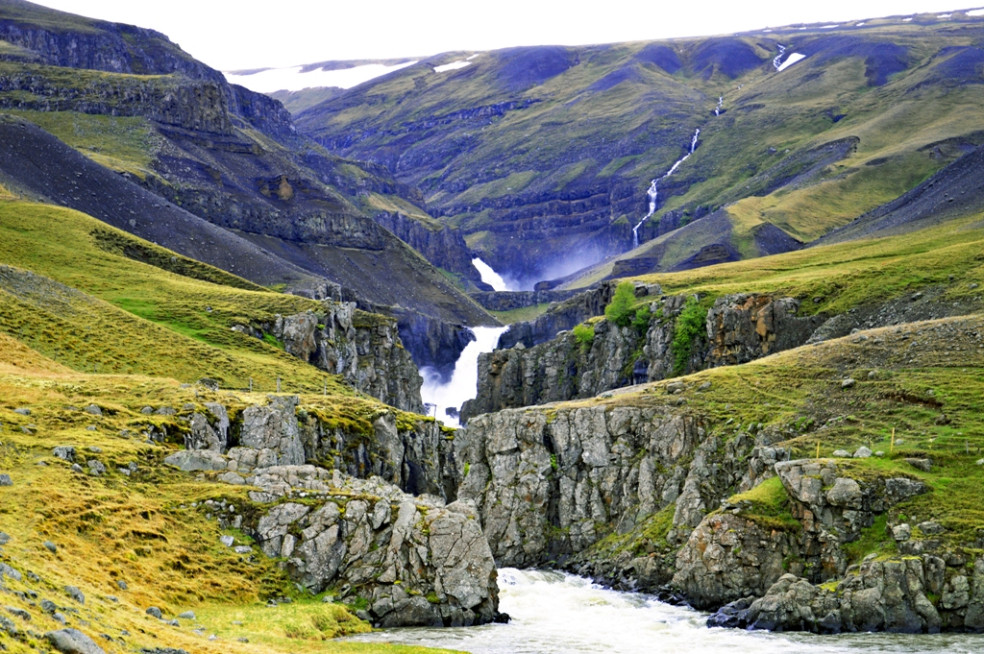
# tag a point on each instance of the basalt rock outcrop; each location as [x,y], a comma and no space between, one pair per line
[881,595]
[365,349]
[416,456]
[923,588]
[730,555]
[439,244]
[509,300]
[410,558]
[549,484]
[564,316]
[737,329]
[413,560]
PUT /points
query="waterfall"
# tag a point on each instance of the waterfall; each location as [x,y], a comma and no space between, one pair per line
[463,385]
[489,276]
[720,104]
[653,191]
[777,60]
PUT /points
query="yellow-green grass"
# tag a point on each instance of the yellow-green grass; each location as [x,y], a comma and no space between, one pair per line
[143,529]
[375,202]
[523,314]
[304,626]
[122,143]
[809,213]
[767,505]
[132,317]
[838,277]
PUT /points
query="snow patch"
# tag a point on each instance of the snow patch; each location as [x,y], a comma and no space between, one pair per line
[907,20]
[944,16]
[862,24]
[297,79]
[829,27]
[792,59]
[454,65]
[976,12]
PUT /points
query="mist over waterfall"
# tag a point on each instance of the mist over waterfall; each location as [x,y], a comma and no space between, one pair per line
[490,276]
[439,395]
[653,191]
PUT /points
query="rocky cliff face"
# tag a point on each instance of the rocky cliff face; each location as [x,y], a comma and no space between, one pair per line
[737,329]
[924,588]
[441,245]
[365,349]
[565,315]
[415,456]
[549,484]
[197,97]
[412,560]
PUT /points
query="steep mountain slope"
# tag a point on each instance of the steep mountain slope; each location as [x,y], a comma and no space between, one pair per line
[290,213]
[543,156]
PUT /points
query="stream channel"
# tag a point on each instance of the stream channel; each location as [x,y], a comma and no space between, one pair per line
[557,613]
[554,613]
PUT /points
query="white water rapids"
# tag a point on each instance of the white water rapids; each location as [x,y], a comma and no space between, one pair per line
[463,385]
[556,613]
[653,191]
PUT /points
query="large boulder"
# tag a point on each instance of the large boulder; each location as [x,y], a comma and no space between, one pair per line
[413,560]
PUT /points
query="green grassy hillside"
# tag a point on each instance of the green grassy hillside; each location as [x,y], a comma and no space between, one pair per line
[139,535]
[91,315]
[557,146]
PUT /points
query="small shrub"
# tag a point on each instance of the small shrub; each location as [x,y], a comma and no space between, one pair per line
[641,320]
[584,336]
[619,310]
[689,325]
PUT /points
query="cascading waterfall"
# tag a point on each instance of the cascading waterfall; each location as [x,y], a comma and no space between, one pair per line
[439,395]
[777,60]
[557,613]
[653,191]
[490,276]
[720,105]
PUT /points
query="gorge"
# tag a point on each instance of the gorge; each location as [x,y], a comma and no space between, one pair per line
[404,355]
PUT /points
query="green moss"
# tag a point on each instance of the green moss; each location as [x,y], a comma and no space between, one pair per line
[875,539]
[767,505]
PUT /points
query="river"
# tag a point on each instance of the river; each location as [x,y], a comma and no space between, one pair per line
[554,613]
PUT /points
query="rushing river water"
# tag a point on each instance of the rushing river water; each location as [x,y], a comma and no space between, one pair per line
[554,613]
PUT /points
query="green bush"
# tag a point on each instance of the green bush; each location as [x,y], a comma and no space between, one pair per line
[619,310]
[584,335]
[641,319]
[689,325]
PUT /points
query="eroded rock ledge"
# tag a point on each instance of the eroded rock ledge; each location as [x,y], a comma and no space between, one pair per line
[409,559]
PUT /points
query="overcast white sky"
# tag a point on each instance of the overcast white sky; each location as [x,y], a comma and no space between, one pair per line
[232,35]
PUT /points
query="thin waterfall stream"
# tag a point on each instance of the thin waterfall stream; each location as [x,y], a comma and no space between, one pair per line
[653,191]
[554,613]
